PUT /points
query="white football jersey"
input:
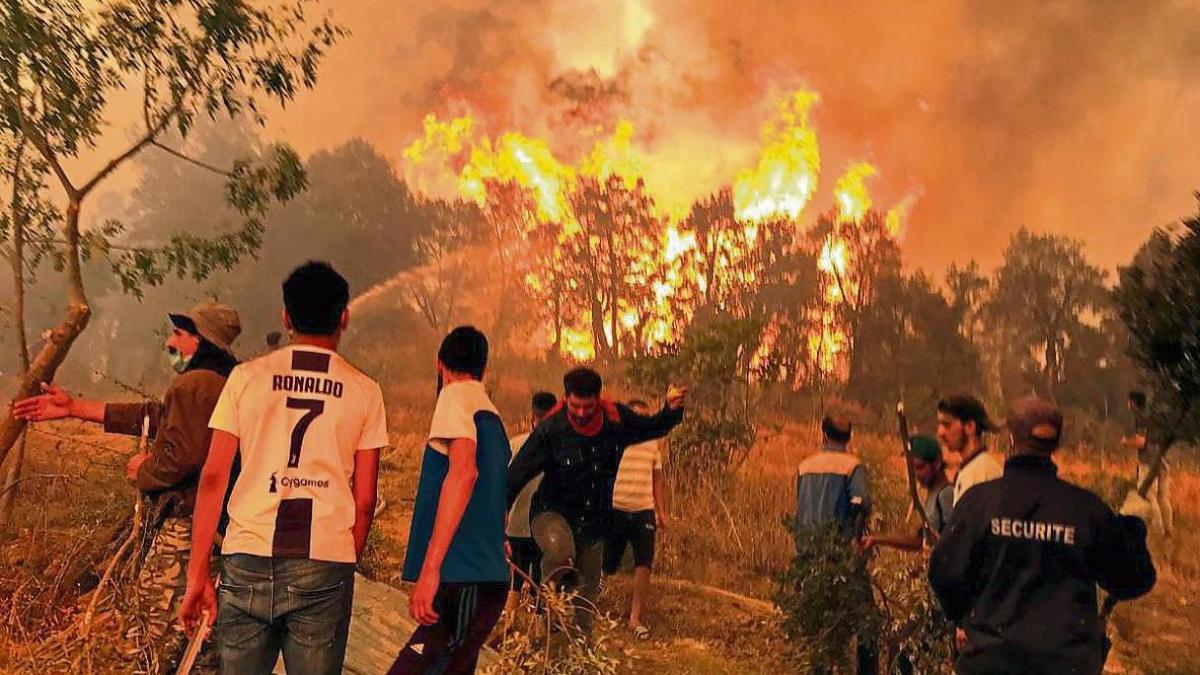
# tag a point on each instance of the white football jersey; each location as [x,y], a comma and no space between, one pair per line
[300,413]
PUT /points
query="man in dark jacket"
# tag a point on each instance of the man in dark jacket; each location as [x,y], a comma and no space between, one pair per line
[578,447]
[1020,561]
[200,350]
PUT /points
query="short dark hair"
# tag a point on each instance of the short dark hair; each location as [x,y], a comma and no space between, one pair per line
[1137,398]
[837,428]
[465,350]
[966,408]
[1036,424]
[582,382]
[543,402]
[315,296]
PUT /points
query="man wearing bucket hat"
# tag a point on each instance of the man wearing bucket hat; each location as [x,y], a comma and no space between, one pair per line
[199,349]
[1020,560]
[930,470]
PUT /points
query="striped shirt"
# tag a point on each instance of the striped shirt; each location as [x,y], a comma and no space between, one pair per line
[300,414]
[634,487]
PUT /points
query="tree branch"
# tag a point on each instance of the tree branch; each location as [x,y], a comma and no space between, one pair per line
[145,140]
[39,141]
[172,151]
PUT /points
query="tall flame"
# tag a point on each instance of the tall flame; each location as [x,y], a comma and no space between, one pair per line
[786,176]
[777,188]
[853,200]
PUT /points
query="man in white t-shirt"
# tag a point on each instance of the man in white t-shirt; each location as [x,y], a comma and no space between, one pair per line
[639,511]
[962,422]
[308,427]
[455,555]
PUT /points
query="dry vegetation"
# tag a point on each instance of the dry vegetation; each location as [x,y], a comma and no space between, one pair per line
[710,612]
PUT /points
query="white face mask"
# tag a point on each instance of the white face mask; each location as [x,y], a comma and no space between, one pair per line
[179,362]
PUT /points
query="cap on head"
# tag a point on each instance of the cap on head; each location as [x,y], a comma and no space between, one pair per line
[582,382]
[213,321]
[925,448]
[967,408]
[1036,424]
[837,430]
[465,350]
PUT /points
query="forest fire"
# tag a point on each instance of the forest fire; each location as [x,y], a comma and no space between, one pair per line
[599,210]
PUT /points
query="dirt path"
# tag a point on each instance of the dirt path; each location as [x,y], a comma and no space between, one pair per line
[697,630]
[1157,634]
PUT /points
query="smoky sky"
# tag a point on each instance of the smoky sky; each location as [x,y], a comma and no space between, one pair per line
[1073,117]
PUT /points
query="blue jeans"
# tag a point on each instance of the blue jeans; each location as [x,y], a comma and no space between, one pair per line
[298,606]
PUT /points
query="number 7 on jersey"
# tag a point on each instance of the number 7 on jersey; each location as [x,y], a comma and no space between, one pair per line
[314,407]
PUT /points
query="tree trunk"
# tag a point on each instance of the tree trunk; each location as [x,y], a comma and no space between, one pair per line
[17,261]
[54,350]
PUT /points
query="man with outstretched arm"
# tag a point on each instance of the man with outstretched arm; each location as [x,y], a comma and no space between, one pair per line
[456,552]
[308,427]
[578,447]
[1020,561]
[200,351]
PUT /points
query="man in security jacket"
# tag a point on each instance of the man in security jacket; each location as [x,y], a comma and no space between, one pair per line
[1020,561]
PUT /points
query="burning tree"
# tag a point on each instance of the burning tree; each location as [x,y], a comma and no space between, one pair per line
[608,250]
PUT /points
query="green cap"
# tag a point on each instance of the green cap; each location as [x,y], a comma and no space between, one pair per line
[925,448]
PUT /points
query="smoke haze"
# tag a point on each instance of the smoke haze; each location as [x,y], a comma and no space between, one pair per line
[1071,117]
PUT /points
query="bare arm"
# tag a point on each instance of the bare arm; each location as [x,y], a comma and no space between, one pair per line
[366,488]
[210,496]
[456,493]
[55,404]
[903,542]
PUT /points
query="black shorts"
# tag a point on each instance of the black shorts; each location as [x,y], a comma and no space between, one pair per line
[527,557]
[633,529]
[466,615]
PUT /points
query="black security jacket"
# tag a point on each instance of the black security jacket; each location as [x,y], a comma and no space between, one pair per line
[1018,567]
[580,470]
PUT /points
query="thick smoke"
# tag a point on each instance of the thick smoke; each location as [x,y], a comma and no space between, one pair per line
[1076,117]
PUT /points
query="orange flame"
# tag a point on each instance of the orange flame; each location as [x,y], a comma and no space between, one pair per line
[786,176]
[776,189]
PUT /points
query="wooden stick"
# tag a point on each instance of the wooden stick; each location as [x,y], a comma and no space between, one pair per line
[194,645]
[134,532]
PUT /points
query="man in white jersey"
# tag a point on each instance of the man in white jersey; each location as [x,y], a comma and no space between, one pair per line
[962,422]
[639,512]
[308,427]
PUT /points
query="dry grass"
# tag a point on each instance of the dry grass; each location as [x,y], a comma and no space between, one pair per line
[730,535]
